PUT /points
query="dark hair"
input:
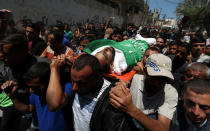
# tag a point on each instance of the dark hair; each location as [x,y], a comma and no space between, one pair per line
[153,49]
[185,45]
[18,41]
[173,44]
[144,32]
[117,31]
[113,53]
[198,39]
[199,86]
[162,37]
[87,60]
[39,70]
[58,35]
[34,26]
[60,26]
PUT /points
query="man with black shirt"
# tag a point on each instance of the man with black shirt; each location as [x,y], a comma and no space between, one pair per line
[36,44]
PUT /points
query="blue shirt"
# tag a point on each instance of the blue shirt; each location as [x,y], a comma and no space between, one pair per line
[47,120]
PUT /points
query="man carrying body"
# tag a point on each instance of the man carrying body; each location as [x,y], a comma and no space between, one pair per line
[88,106]
[149,95]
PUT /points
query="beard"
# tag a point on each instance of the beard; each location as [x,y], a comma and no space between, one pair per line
[177,63]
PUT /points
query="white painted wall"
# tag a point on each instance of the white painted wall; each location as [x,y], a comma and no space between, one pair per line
[65,10]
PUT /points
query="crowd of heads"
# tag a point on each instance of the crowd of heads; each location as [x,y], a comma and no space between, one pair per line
[179,56]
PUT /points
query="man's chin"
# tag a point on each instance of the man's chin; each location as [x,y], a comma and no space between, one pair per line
[197,120]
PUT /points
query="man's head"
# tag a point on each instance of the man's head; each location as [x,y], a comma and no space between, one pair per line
[32,31]
[86,74]
[160,41]
[172,49]
[158,67]
[197,70]
[182,52]
[14,50]
[37,77]
[55,39]
[91,26]
[148,52]
[116,36]
[198,45]
[196,99]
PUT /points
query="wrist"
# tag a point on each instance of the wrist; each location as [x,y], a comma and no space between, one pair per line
[132,110]
[55,68]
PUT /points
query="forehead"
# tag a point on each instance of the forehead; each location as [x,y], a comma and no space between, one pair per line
[84,74]
[201,73]
[33,81]
[183,49]
[51,36]
[150,52]
[173,46]
[6,47]
[202,99]
[29,29]
[198,44]
[160,39]
[9,45]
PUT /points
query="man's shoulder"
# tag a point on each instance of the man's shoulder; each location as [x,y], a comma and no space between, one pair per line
[138,78]
[137,82]
[170,91]
[42,59]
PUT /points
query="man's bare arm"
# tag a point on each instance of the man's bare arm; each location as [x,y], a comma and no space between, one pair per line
[121,99]
[55,96]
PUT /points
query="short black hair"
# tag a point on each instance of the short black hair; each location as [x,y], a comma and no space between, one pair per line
[58,35]
[199,86]
[18,41]
[60,26]
[198,39]
[172,44]
[185,45]
[153,49]
[39,70]
[87,60]
[34,26]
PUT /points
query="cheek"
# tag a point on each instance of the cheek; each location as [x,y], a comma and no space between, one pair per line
[207,112]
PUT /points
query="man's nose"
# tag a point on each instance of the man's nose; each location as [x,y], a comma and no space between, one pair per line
[196,110]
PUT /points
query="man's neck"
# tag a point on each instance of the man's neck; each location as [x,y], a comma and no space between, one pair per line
[150,89]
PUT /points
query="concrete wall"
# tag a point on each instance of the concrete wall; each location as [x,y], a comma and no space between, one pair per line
[65,10]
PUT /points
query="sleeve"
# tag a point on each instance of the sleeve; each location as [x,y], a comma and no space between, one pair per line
[136,89]
[44,53]
[171,100]
[67,88]
[70,52]
[32,99]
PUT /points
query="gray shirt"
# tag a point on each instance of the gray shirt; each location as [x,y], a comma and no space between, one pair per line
[164,102]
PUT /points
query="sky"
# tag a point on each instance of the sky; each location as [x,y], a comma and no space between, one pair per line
[168,7]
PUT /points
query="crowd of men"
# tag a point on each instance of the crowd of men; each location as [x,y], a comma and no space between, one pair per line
[49,83]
